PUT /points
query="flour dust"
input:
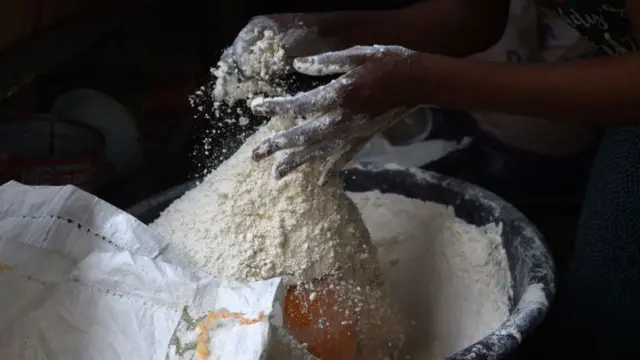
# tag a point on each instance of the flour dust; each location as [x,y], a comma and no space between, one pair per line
[240,223]
[221,103]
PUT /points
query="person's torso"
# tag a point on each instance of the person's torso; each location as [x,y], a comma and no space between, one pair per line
[605,23]
[534,36]
[567,29]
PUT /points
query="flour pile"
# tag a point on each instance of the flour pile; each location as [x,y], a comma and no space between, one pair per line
[449,280]
[243,224]
[267,60]
[452,278]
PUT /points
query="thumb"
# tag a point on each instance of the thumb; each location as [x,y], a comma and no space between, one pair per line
[335,62]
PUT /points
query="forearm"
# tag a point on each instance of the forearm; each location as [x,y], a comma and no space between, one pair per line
[448,27]
[601,91]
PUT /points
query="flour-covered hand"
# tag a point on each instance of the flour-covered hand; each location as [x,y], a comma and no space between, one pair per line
[296,33]
[345,114]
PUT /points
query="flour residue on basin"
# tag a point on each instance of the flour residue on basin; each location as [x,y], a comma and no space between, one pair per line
[449,279]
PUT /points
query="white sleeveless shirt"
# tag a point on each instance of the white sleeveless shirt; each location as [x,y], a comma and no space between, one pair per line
[536,36]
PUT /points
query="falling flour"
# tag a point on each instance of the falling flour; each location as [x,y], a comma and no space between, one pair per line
[241,223]
[219,103]
[266,60]
[450,278]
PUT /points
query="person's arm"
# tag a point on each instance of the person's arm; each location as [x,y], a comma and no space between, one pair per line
[602,91]
[447,27]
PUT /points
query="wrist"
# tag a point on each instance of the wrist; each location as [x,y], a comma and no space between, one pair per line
[460,84]
[426,78]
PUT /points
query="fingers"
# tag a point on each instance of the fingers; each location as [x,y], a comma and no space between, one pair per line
[336,62]
[319,100]
[297,158]
[240,50]
[296,39]
[338,161]
[323,98]
[309,45]
[304,134]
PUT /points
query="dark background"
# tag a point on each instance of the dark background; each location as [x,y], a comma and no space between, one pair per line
[157,55]
[154,55]
[150,63]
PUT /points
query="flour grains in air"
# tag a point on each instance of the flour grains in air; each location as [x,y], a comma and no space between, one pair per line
[241,223]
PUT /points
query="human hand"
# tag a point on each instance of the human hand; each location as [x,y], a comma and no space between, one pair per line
[345,114]
[297,34]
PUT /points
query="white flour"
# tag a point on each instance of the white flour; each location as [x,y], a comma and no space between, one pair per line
[241,223]
[266,59]
[217,101]
[450,278]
